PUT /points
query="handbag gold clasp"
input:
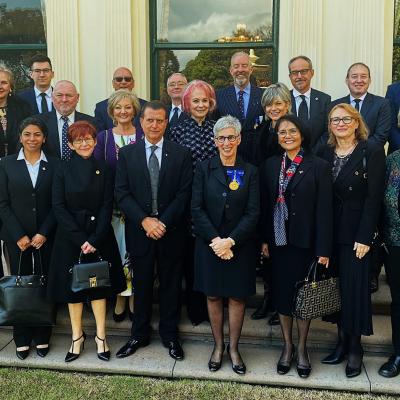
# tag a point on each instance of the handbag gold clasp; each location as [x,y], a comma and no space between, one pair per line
[93,281]
[314,284]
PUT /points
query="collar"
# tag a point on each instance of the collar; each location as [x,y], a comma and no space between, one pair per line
[361,98]
[158,144]
[246,89]
[21,156]
[179,106]
[48,92]
[71,117]
[297,94]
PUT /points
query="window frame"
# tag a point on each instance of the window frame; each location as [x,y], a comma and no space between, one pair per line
[155,46]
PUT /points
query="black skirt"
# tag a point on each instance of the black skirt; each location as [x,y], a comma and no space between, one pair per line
[289,265]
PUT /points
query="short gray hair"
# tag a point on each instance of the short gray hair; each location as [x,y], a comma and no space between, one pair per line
[276,91]
[227,122]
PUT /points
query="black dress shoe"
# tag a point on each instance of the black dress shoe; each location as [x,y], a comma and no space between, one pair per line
[131,346]
[119,317]
[283,368]
[262,310]
[22,354]
[214,366]
[240,369]
[274,319]
[103,355]
[42,352]
[373,284]
[334,358]
[175,350]
[391,368]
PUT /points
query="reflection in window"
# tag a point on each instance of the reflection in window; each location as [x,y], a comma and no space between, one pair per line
[212,65]
[220,21]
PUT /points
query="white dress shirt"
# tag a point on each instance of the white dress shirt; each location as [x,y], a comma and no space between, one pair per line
[158,151]
[60,124]
[38,97]
[353,103]
[171,113]
[33,169]
[298,100]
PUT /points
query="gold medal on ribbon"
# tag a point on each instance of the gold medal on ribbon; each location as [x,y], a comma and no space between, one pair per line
[234,185]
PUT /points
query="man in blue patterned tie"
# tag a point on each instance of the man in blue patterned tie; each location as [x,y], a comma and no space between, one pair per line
[65,99]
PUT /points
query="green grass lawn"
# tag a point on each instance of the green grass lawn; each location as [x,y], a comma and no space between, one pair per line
[28,384]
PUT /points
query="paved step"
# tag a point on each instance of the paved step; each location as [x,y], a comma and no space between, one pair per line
[154,361]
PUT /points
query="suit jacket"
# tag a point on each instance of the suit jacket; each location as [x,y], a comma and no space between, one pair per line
[24,209]
[376,113]
[182,117]
[214,204]
[318,122]
[30,97]
[310,204]
[52,145]
[133,194]
[393,95]
[358,193]
[103,120]
[17,111]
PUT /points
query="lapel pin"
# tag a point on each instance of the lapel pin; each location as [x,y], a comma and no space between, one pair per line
[97,172]
[300,172]
[44,168]
[316,98]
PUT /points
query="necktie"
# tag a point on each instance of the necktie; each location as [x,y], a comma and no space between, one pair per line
[241,104]
[175,116]
[44,103]
[303,109]
[154,170]
[66,152]
[357,106]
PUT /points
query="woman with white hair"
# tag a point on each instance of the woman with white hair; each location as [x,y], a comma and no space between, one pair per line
[225,210]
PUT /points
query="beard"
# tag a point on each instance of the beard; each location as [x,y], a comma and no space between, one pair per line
[241,81]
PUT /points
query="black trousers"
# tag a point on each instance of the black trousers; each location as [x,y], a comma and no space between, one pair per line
[168,263]
[392,267]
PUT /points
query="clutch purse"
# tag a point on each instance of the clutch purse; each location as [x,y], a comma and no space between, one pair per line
[315,298]
[23,300]
[90,275]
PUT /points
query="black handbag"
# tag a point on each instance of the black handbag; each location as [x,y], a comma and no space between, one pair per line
[316,296]
[90,275]
[23,300]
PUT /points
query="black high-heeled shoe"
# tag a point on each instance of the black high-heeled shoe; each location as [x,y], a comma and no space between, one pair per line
[119,317]
[283,367]
[303,371]
[71,356]
[104,355]
[214,366]
[353,371]
[240,369]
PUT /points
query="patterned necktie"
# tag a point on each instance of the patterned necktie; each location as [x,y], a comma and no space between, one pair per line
[175,117]
[357,106]
[303,109]
[241,104]
[44,103]
[154,170]
[66,152]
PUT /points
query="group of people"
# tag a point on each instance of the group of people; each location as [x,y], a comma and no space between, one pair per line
[199,189]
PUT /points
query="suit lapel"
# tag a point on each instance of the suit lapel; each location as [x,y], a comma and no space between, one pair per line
[218,171]
[231,101]
[53,133]
[294,112]
[165,157]
[23,171]
[354,159]
[302,170]
[43,173]
[33,101]
[366,106]
[142,161]
[314,105]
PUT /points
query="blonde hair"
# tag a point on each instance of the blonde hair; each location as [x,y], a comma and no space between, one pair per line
[7,71]
[119,95]
[361,132]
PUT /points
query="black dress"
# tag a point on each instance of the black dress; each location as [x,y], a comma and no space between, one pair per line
[219,211]
[82,204]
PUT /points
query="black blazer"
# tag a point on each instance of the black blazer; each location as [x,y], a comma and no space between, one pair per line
[213,202]
[377,115]
[24,209]
[310,219]
[358,192]
[17,111]
[319,106]
[133,192]
[52,145]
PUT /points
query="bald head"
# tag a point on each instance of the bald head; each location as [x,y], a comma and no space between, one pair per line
[123,79]
[65,97]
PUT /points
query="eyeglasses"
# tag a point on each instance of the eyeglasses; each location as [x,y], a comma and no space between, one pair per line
[119,79]
[39,71]
[176,84]
[336,120]
[302,72]
[79,142]
[221,139]
[291,132]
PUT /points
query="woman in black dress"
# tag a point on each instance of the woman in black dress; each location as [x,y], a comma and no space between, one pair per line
[296,227]
[28,222]
[358,170]
[83,191]
[225,210]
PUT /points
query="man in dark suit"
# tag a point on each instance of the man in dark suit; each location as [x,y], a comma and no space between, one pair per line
[243,101]
[393,95]
[64,114]
[374,109]
[153,187]
[39,97]
[310,105]
[176,85]
[122,79]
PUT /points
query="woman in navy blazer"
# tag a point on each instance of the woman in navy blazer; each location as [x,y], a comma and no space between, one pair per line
[296,226]
[225,210]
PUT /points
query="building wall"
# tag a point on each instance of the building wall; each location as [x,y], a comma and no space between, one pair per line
[88,39]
